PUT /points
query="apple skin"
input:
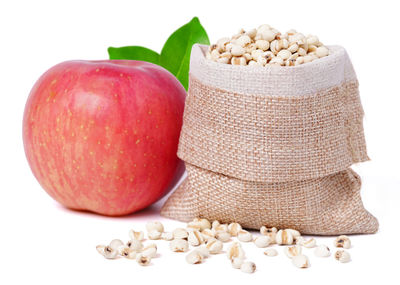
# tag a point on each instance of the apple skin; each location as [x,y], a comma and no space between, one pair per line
[102,136]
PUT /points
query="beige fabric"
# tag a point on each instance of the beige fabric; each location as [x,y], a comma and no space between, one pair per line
[324,206]
[273,146]
[298,80]
[272,139]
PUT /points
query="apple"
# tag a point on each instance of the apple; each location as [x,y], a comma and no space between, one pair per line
[102,136]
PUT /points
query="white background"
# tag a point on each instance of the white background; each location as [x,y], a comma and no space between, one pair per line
[43,242]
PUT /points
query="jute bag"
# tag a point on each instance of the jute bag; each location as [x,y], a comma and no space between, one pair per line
[273,146]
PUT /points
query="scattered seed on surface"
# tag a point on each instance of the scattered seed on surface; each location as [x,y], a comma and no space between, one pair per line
[301,261]
[234,229]
[292,251]
[342,256]
[207,234]
[194,257]
[214,246]
[223,236]
[195,238]
[215,224]
[180,233]
[136,235]
[309,243]
[271,252]
[343,242]
[322,251]
[126,252]
[262,241]
[150,226]
[244,236]
[154,234]
[168,236]
[115,244]
[150,252]
[284,237]
[248,267]
[107,251]
[205,224]
[221,228]
[143,260]
[237,262]
[203,251]
[212,235]
[179,245]
[235,250]
[135,245]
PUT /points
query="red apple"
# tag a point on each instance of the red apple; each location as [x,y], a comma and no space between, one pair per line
[102,136]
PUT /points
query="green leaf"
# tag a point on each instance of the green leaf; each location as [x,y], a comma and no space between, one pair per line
[175,55]
[134,53]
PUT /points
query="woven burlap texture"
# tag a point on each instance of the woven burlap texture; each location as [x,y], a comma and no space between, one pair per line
[272,139]
[329,205]
[273,153]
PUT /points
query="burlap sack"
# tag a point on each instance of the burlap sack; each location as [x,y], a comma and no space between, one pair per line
[273,146]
